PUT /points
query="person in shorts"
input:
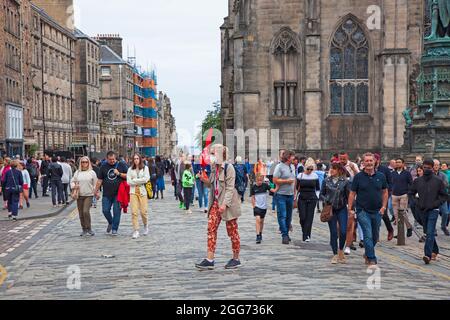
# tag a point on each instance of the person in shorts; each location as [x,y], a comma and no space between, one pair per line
[259,203]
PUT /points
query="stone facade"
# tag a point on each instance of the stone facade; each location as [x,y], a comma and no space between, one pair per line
[330,75]
[11,84]
[167,135]
[116,98]
[86,114]
[62,11]
[53,82]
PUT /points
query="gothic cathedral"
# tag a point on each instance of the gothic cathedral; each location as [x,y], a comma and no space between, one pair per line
[331,75]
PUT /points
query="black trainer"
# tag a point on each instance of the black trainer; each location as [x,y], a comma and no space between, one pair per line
[258,239]
[205,265]
[446,232]
[233,264]
[285,240]
[108,230]
[409,233]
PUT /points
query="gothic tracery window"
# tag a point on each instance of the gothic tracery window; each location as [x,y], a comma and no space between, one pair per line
[349,70]
[285,50]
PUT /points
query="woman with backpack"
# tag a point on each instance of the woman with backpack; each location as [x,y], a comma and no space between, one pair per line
[13,189]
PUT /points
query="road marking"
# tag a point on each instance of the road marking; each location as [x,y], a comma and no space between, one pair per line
[3,255]
[414,266]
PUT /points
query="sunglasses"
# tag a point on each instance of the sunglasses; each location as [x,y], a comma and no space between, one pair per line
[84,161]
[309,169]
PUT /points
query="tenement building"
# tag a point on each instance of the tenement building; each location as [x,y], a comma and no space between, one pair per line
[53,81]
[116,97]
[167,136]
[86,114]
[330,75]
[11,84]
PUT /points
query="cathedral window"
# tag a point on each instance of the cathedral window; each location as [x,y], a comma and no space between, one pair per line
[285,60]
[349,70]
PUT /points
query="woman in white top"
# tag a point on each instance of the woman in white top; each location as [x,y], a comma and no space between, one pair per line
[84,182]
[26,186]
[138,175]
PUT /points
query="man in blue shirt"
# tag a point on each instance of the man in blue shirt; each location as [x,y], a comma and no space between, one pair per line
[370,189]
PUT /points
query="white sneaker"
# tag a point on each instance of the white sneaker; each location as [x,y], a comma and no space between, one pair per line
[135,234]
[308,240]
[146,230]
[347,251]
[201,210]
[189,211]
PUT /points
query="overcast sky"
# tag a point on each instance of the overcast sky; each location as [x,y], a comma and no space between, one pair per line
[180,38]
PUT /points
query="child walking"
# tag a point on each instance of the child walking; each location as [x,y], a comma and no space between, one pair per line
[188,182]
[258,193]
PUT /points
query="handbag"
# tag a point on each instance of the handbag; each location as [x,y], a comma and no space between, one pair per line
[75,193]
[17,189]
[148,187]
[327,213]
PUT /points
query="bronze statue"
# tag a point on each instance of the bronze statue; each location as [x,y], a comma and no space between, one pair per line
[440,19]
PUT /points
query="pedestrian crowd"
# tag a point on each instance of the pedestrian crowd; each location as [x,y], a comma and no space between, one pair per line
[353,198]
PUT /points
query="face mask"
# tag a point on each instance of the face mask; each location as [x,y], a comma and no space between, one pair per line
[212,159]
[427,172]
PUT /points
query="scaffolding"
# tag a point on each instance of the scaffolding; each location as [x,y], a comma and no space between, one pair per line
[145,111]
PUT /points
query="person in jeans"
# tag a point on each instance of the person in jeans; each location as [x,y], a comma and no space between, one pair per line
[401,182]
[370,188]
[446,171]
[335,192]
[138,175]
[32,167]
[84,180]
[224,204]
[284,178]
[112,173]
[13,184]
[66,178]
[308,188]
[55,173]
[45,175]
[429,193]
[203,191]
[443,210]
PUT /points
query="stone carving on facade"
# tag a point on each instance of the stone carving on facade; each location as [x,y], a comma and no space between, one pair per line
[443,141]
[286,41]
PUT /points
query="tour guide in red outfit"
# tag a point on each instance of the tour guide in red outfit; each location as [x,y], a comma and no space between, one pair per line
[224,204]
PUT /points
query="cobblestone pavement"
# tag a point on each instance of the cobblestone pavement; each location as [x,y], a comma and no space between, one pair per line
[161,265]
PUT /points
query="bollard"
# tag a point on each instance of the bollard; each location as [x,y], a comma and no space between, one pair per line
[401,238]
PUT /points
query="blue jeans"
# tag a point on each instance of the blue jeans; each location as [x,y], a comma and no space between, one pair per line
[285,205]
[370,225]
[202,194]
[390,206]
[13,203]
[57,189]
[341,217]
[444,214]
[429,220]
[274,202]
[114,219]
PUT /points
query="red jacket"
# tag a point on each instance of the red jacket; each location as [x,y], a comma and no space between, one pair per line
[123,197]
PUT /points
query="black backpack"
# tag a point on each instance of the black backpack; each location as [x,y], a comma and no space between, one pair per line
[239,182]
[32,171]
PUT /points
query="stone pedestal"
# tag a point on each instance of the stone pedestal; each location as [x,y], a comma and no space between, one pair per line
[430,131]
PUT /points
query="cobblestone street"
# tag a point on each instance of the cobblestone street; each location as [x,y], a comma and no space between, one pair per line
[161,265]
